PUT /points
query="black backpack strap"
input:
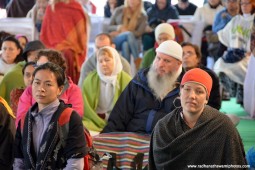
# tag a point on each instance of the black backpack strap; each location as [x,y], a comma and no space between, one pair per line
[185,30]
[63,129]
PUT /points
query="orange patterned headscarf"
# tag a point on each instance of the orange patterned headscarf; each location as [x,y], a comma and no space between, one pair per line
[7,107]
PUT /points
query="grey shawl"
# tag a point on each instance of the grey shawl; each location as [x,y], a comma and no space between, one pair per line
[213,141]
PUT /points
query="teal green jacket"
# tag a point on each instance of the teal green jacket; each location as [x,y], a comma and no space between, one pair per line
[148,58]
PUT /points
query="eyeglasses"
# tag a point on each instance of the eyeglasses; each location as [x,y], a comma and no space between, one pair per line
[38,64]
[188,53]
[245,3]
[228,1]
[231,1]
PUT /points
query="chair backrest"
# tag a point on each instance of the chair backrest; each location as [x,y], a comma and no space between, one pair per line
[24,26]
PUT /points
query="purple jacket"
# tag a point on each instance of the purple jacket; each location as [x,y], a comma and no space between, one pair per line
[72,95]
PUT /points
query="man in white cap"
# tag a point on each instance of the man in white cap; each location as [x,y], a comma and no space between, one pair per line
[150,95]
[163,32]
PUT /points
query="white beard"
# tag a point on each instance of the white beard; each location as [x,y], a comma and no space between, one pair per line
[162,85]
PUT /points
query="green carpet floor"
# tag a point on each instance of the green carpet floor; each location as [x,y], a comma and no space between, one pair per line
[246,127]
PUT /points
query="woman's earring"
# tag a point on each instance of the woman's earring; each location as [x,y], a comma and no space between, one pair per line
[177,102]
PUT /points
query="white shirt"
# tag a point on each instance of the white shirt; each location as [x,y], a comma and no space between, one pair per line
[4,67]
[207,14]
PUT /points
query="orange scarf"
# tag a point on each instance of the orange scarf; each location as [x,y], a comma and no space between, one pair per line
[7,107]
[66,28]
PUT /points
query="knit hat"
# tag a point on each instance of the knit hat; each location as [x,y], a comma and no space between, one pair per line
[198,76]
[32,46]
[170,48]
[164,28]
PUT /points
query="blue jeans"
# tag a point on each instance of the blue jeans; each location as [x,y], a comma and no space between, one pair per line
[126,43]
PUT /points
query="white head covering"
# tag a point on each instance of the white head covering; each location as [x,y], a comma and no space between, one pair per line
[171,48]
[117,64]
[164,28]
[108,83]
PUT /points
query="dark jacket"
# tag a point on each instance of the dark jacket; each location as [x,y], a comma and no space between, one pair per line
[155,16]
[214,99]
[7,133]
[54,148]
[137,109]
[190,10]
[19,8]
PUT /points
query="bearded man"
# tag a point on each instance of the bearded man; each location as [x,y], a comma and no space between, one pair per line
[152,94]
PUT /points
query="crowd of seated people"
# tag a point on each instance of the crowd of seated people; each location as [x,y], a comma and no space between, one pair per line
[104,90]
[71,93]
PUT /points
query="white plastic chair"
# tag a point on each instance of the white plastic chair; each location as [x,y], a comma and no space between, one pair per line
[24,26]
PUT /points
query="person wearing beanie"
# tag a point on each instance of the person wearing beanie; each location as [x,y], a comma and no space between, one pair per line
[13,79]
[191,58]
[163,32]
[151,94]
[164,28]
[200,77]
[195,133]
[30,51]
